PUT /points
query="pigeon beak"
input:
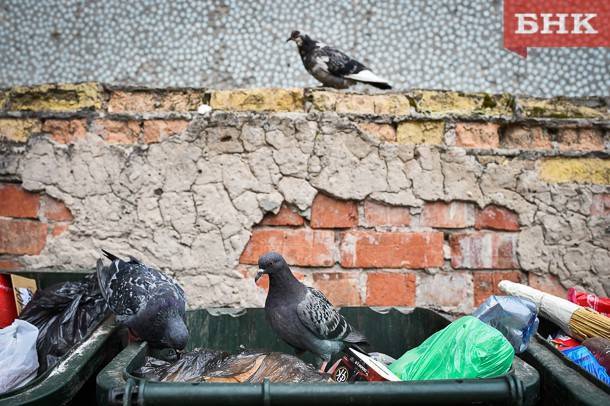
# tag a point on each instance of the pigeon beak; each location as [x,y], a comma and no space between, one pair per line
[289,39]
[260,273]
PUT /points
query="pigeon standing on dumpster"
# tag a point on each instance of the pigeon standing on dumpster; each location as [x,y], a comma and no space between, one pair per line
[302,316]
[151,304]
[332,67]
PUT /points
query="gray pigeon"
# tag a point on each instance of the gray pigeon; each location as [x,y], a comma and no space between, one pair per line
[332,67]
[302,316]
[151,304]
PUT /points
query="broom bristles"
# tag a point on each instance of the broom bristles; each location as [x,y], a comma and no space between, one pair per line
[586,323]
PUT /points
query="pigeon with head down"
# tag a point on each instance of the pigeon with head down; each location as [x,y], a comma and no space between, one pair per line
[150,303]
[332,67]
[302,316]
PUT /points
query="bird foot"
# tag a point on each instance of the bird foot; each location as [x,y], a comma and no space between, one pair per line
[333,367]
[132,337]
[323,366]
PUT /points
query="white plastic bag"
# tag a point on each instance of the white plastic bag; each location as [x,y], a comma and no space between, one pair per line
[18,356]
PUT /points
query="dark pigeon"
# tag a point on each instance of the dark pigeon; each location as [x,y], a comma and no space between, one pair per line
[332,67]
[302,316]
[150,303]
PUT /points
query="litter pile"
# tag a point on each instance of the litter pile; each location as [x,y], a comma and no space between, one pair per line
[64,314]
[583,335]
[51,324]
[204,365]
[479,346]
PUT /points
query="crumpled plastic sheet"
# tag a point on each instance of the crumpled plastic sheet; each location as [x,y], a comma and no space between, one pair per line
[188,368]
[600,348]
[204,365]
[65,313]
[516,318]
[585,359]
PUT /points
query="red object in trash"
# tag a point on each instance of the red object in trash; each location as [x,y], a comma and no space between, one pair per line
[563,343]
[8,310]
[356,366]
[600,304]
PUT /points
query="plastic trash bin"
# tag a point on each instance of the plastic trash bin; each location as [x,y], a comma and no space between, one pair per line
[562,381]
[61,384]
[391,331]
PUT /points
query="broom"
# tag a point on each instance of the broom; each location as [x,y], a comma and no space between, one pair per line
[577,321]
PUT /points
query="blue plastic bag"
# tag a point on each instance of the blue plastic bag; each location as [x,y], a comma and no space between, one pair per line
[514,317]
[585,359]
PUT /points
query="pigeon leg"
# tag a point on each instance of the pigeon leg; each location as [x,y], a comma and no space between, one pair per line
[323,366]
[132,337]
[331,370]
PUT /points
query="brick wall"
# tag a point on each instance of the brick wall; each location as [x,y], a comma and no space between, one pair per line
[422,198]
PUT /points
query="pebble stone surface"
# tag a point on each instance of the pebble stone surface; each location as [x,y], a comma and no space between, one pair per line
[223,44]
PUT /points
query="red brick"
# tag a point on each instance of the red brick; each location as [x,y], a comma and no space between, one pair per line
[364,249]
[131,102]
[477,135]
[486,283]
[377,214]
[484,250]
[600,205]
[448,215]
[22,237]
[66,131]
[390,289]
[118,132]
[525,137]
[385,132]
[9,265]
[327,212]
[580,139]
[547,283]
[157,130]
[302,247]
[58,229]
[18,202]
[497,218]
[341,288]
[285,217]
[54,210]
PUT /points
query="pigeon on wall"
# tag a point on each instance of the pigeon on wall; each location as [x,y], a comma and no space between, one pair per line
[302,316]
[150,303]
[332,67]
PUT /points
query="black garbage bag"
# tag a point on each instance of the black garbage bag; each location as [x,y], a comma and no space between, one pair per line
[64,313]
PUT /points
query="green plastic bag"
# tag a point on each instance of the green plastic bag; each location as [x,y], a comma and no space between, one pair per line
[467,348]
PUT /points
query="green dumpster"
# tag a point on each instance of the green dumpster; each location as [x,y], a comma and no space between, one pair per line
[562,381]
[70,379]
[391,331]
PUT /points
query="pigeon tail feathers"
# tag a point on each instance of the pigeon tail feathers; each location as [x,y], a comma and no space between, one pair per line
[368,77]
[383,86]
[355,337]
[110,256]
[102,277]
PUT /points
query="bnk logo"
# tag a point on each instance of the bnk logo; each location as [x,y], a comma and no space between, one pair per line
[555,23]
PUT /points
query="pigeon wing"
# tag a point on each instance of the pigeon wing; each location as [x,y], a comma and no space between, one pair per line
[337,63]
[323,320]
[125,285]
